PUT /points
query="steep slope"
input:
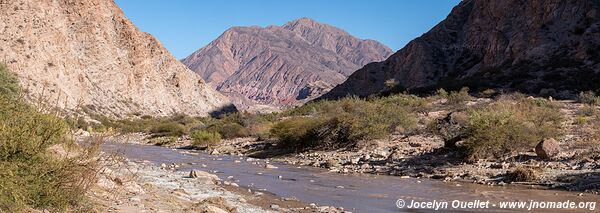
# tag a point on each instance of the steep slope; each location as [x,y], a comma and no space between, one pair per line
[529,46]
[271,65]
[87,53]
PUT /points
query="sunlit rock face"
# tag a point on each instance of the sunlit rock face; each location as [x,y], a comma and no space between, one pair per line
[86,53]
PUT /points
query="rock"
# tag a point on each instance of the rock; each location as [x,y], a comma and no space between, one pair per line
[274,206]
[269,166]
[380,154]
[451,53]
[213,205]
[215,152]
[193,174]
[84,60]
[547,149]
[204,176]
[355,160]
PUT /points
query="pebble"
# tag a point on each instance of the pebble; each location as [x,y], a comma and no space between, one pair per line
[274,206]
[269,166]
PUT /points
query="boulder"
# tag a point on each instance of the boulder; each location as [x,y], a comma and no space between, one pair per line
[204,176]
[547,149]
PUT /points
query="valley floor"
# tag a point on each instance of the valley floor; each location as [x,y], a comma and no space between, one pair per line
[140,186]
[423,155]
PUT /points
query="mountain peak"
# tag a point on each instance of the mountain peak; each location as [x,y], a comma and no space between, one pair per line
[279,65]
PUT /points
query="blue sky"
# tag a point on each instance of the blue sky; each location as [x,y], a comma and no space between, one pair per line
[184,26]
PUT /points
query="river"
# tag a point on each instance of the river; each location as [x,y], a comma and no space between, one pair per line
[356,192]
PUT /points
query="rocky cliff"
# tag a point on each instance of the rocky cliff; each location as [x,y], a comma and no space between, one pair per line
[78,53]
[274,65]
[531,46]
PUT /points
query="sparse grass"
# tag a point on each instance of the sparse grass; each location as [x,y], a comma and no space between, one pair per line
[30,175]
[204,139]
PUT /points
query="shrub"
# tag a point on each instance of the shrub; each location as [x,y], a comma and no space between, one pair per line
[168,129]
[204,139]
[459,97]
[296,132]
[589,97]
[229,130]
[30,176]
[442,93]
[9,83]
[510,125]
[343,122]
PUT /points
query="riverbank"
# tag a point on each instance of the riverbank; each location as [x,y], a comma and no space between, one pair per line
[449,137]
[141,186]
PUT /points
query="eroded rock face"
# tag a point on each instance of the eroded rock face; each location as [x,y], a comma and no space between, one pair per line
[87,53]
[279,65]
[529,46]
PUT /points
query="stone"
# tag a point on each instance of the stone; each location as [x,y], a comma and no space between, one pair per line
[269,166]
[547,149]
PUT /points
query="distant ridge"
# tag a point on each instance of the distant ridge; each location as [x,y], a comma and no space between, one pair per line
[282,65]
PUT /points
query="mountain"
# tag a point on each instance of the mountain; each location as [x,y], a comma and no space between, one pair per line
[532,46]
[279,65]
[86,53]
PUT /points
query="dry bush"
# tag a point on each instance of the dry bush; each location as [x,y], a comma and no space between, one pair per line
[523,174]
[31,175]
[510,125]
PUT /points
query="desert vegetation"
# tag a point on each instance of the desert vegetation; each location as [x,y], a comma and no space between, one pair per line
[495,129]
[33,172]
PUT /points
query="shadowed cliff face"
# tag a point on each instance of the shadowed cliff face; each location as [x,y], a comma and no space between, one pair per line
[527,46]
[272,65]
[87,53]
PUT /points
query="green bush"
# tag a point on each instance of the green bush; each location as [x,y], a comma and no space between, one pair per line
[204,139]
[510,125]
[168,129]
[30,176]
[460,97]
[9,83]
[589,97]
[296,131]
[331,124]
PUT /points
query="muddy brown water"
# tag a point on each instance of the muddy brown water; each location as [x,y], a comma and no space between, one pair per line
[356,192]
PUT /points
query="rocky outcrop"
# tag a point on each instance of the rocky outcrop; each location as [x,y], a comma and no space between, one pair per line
[528,46]
[278,65]
[86,53]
